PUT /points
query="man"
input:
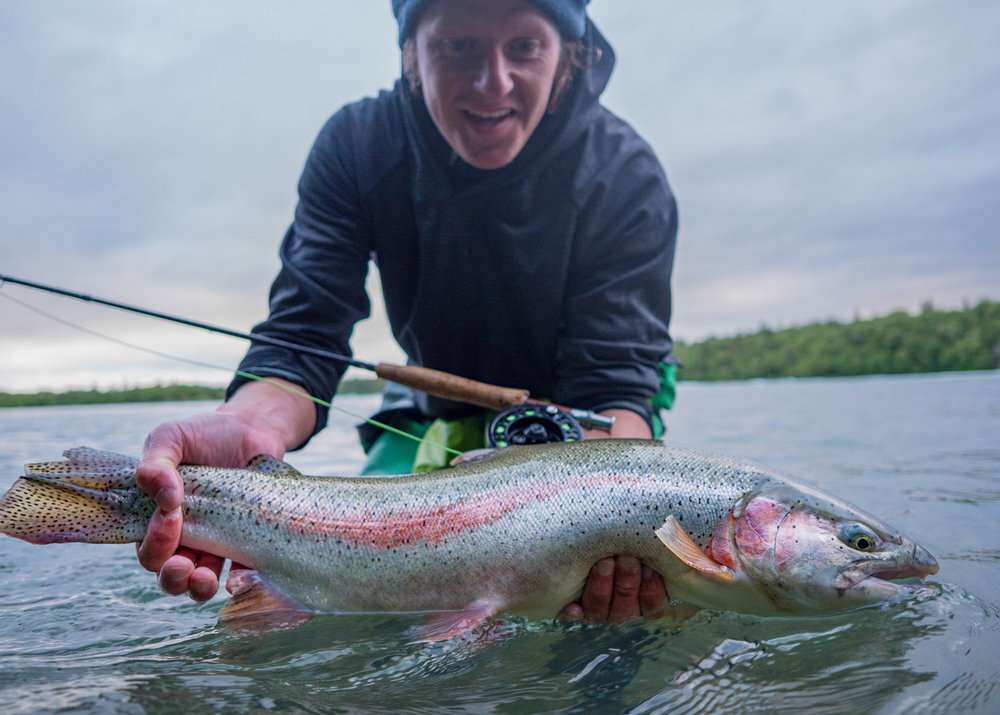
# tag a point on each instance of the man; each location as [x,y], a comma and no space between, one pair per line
[524,236]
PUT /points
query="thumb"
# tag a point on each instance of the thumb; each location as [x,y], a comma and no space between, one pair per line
[157,474]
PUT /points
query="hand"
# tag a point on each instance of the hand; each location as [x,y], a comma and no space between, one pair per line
[628,425]
[217,439]
[619,589]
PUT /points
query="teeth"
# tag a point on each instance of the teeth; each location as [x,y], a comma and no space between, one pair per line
[490,115]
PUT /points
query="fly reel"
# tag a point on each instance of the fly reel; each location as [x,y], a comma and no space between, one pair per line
[532,424]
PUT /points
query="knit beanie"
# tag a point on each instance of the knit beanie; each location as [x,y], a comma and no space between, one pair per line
[570,16]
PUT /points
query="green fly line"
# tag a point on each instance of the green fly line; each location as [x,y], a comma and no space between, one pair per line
[242,373]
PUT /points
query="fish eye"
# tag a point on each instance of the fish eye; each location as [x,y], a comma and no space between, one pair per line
[859,537]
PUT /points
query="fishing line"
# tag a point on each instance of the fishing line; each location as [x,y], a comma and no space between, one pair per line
[242,373]
[438,383]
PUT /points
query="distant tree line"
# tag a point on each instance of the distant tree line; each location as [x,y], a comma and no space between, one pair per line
[155,393]
[930,341]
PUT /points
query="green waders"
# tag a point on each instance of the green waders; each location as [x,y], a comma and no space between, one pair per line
[391,454]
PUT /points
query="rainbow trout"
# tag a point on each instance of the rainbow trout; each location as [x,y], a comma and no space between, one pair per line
[517,531]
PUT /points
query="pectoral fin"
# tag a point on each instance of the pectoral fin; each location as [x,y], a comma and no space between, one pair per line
[258,605]
[675,538]
[453,624]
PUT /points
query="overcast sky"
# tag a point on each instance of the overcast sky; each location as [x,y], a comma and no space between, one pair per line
[830,160]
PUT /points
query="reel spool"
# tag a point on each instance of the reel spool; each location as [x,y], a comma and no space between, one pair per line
[532,424]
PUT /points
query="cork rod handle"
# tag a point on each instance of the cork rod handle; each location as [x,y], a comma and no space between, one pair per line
[452,387]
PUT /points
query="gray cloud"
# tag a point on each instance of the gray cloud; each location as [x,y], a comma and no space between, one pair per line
[828,160]
[844,157]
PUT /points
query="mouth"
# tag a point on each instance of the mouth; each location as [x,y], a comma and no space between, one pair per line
[488,121]
[918,565]
[921,563]
[907,572]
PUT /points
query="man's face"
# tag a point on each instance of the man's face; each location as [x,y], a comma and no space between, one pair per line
[486,68]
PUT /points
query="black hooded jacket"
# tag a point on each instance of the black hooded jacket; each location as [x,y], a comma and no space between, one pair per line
[551,273]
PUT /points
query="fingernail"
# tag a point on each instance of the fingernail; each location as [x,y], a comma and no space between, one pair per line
[605,567]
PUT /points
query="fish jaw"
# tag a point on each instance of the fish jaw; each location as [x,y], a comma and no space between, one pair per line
[875,579]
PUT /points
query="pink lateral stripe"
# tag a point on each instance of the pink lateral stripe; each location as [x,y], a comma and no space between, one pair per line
[392,529]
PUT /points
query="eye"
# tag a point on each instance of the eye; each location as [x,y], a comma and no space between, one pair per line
[859,537]
[524,48]
[458,47]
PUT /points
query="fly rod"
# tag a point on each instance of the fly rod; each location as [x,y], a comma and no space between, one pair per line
[434,382]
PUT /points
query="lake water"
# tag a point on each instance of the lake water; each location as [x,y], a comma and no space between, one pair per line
[83,628]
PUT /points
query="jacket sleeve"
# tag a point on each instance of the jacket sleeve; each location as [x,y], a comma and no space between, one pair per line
[616,312]
[319,293]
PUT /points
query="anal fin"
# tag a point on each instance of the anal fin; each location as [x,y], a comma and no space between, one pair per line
[681,545]
[454,624]
[258,605]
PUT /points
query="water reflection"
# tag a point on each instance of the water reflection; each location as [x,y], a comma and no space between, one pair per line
[859,662]
[855,666]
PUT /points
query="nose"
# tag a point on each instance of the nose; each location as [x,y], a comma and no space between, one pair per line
[494,78]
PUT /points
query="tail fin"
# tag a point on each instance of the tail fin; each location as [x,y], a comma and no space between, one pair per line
[91,496]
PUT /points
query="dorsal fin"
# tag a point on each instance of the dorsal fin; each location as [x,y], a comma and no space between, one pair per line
[675,538]
[474,455]
[267,464]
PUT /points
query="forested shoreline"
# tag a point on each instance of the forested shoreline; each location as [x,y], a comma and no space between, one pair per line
[930,341]
[154,393]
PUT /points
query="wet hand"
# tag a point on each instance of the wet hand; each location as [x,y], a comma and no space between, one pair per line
[619,589]
[217,439]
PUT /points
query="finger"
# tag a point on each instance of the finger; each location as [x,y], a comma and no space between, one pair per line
[233,581]
[212,562]
[163,535]
[175,575]
[625,601]
[596,599]
[652,594]
[159,479]
[572,613]
[204,580]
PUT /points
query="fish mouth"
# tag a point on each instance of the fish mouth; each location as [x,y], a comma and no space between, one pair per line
[919,563]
